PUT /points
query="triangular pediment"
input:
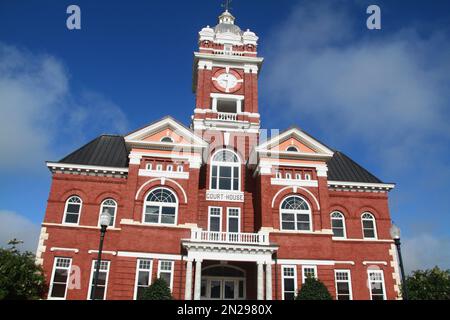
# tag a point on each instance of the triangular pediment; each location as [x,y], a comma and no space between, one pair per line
[167,131]
[295,141]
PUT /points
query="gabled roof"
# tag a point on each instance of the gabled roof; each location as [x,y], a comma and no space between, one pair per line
[319,148]
[105,151]
[139,135]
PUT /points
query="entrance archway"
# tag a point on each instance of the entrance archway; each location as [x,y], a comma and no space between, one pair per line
[223,282]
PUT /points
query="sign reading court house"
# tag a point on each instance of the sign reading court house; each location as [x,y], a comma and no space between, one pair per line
[224,196]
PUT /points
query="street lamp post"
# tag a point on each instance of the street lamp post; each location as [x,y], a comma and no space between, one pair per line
[395,234]
[105,220]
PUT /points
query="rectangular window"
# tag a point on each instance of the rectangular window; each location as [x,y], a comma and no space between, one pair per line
[376,283]
[143,276]
[169,168]
[60,278]
[289,282]
[343,284]
[165,272]
[233,220]
[215,219]
[100,293]
[309,272]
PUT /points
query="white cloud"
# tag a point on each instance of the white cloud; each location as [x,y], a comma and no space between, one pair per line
[388,92]
[425,251]
[13,225]
[39,110]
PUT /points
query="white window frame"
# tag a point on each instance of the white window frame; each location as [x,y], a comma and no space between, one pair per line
[278,175]
[283,277]
[169,168]
[349,281]
[288,176]
[220,217]
[308,267]
[69,268]
[294,212]
[115,212]
[343,224]
[369,271]
[180,168]
[159,167]
[374,225]
[171,271]
[220,164]
[148,166]
[79,212]
[150,203]
[298,176]
[93,269]
[234,217]
[150,271]
[307,176]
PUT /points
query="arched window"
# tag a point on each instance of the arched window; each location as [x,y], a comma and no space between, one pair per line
[110,206]
[292,149]
[167,139]
[160,207]
[338,224]
[72,210]
[295,214]
[225,171]
[369,226]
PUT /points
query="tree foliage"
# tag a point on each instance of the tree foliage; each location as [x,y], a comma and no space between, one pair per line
[158,290]
[313,289]
[20,277]
[432,284]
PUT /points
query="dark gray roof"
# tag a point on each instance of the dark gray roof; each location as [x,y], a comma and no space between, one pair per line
[105,151]
[342,168]
[111,151]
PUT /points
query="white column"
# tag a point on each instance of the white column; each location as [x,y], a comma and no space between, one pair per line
[269,281]
[188,287]
[260,281]
[198,279]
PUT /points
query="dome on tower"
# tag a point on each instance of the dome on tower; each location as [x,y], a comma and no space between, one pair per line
[226,24]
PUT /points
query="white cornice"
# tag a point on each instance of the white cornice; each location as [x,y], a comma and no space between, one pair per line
[86,168]
[229,58]
[361,185]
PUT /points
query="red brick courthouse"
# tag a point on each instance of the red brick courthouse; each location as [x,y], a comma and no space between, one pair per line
[220,209]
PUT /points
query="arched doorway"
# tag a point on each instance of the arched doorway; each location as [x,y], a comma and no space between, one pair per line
[223,282]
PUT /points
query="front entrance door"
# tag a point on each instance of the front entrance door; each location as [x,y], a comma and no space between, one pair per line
[223,288]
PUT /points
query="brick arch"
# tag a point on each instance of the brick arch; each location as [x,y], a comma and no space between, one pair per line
[74,192]
[369,209]
[341,209]
[162,182]
[108,195]
[230,148]
[305,193]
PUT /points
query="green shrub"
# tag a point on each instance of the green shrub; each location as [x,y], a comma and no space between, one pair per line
[313,289]
[158,290]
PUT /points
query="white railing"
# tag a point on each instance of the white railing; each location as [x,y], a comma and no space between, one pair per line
[230,237]
[227,116]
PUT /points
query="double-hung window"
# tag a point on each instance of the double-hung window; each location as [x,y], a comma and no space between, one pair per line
[60,278]
[308,272]
[102,285]
[343,284]
[215,219]
[338,224]
[225,171]
[289,282]
[109,206]
[233,219]
[143,276]
[165,272]
[72,210]
[368,225]
[376,285]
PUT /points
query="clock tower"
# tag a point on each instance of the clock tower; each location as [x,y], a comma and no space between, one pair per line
[225,80]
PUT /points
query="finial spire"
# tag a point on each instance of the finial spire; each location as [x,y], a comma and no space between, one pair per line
[227,4]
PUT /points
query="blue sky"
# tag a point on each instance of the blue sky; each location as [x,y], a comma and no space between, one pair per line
[381,96]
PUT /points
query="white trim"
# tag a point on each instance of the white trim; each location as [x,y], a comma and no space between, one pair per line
[160,205]
[382,281]
[148,255]
[220,218]
[374,221]
[79,211]
[92,278]
[150,271]
[294,182]
[283,278]
[362,239]
[238,218]
[349,281]
[361,185]
[103,252]
[87,168]
[64,249]
[69,268]
[162,183]
[76,226]
[172,271]
[163,174]
[375,262]
[313,262]
[314,267]
[294,189]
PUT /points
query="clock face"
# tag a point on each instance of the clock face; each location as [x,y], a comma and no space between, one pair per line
[227,81]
